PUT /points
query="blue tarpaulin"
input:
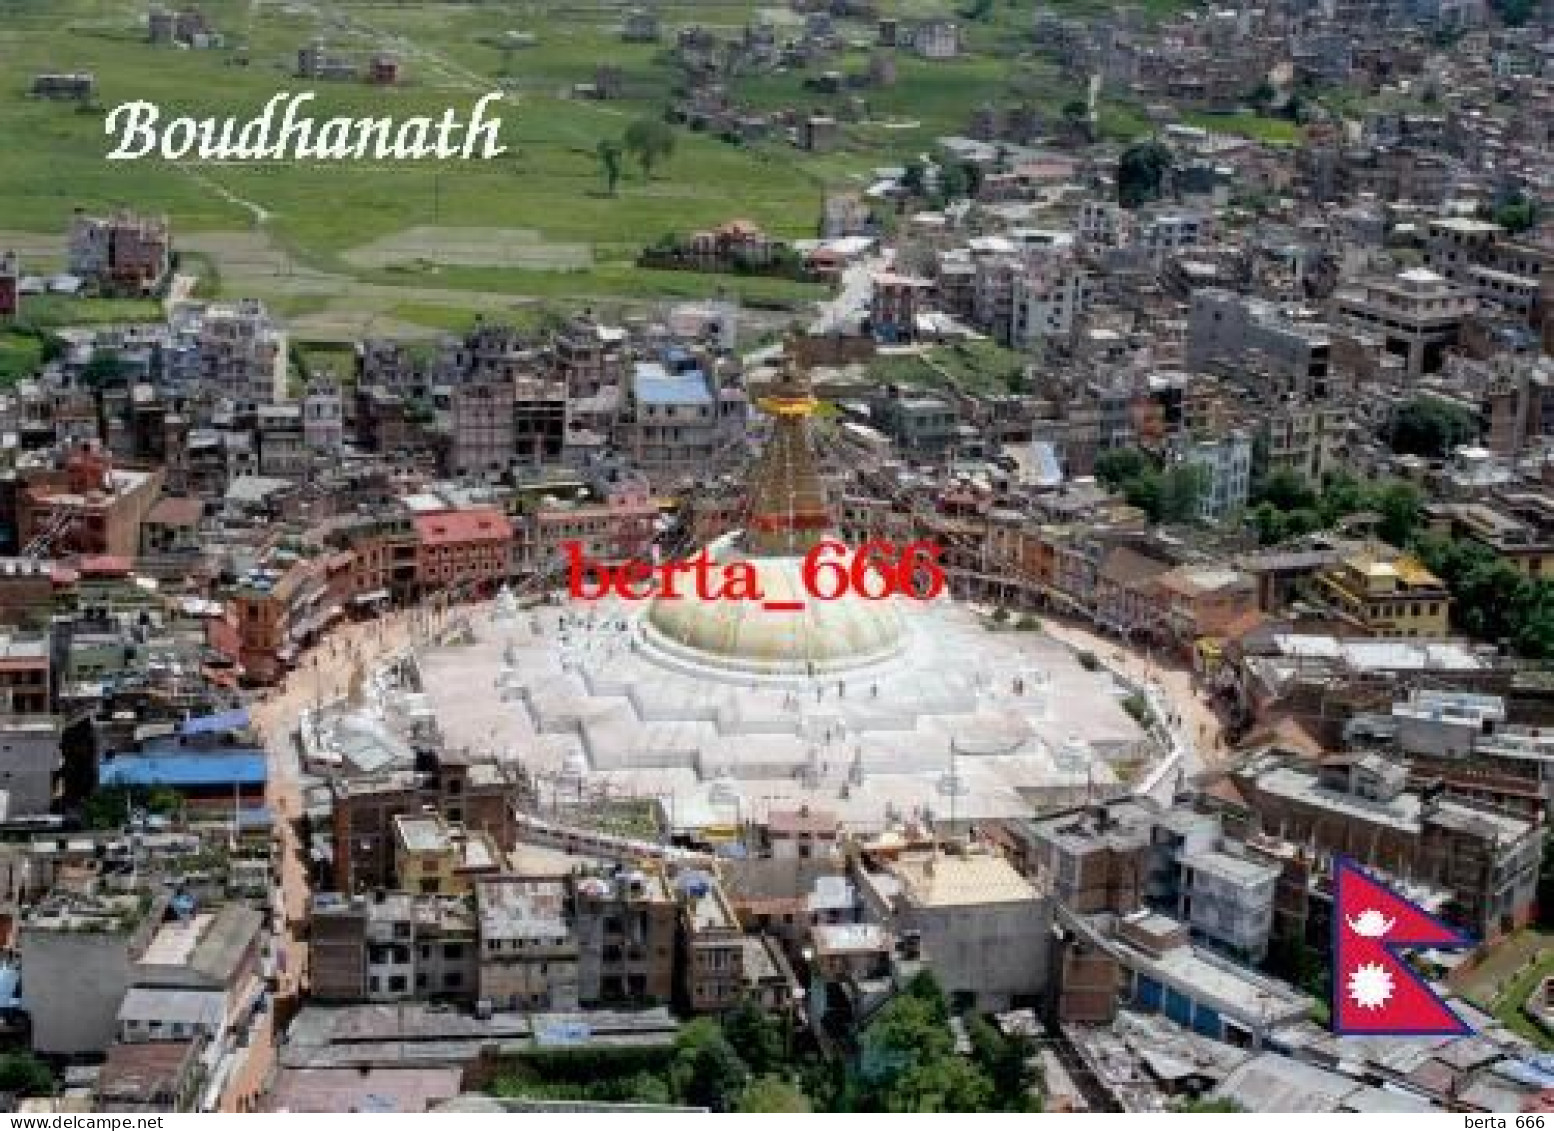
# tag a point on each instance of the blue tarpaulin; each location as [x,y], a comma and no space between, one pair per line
[215,724]
[10,983]
[247,767]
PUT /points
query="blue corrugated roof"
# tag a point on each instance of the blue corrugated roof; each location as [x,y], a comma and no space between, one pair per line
[215,724]
[226,768]
[10,982]
[654,386]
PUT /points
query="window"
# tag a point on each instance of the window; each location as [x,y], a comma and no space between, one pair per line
[397,984]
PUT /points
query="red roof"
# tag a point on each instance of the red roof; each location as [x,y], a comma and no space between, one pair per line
[105,565]
[478,524]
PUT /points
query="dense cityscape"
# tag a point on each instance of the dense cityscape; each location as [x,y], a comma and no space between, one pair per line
[417,692]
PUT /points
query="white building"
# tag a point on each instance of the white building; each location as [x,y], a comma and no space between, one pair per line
[234,349]
[937,39]
[323,416]
[1228,463]
[1049,296]
[1103,223]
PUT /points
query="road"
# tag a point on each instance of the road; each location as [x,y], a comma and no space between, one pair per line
[322,674]
[851,300]
[1199,731]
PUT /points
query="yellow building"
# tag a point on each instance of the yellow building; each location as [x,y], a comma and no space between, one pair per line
[1388,593]
[434,857]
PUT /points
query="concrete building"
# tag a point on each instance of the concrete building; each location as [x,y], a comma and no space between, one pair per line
[936,39]
[1387,593]
[713,956]
[897,302]
[626,928]
[529,952]
[1419,315]
[1229,331]
[917,424]
[79,953]
[232,349]
[433,856]
[984,928]
[1227,471]
[124,253]
[323,416]
[1486,859]
[476,794]
[463,551]
[481,423]
[670,423]
[1050,293]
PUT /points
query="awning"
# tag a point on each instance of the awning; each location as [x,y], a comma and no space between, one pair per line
[370,598]
[215,724]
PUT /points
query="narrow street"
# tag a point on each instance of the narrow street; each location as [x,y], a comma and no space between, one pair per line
[322,674]
[1196,721]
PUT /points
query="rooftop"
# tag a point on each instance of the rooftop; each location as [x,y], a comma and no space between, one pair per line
[934,879]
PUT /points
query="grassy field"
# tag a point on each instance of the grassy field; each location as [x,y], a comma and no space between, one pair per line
[977,366]
[339,224]
[1277,131]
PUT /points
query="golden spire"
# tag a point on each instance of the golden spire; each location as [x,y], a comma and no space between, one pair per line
[788,511]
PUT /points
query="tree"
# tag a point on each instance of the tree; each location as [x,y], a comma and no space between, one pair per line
[1117,467]
[105,366]
[706,1071]
[1004,1060]
[110,807]
[23,1074]
[1181,489]
[1515,13]
[610,163]
[954,183]
[757,1037]
[1399,505]
[1141,171]
[1208,1105]
[768,1094]
[943,1084]
[1285,489]
[1516,214]
[1426,426]
[651,141]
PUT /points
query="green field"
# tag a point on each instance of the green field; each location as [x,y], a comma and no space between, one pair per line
[328,233]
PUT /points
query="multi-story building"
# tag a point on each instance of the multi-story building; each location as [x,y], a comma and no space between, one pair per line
[673,420]
[626,927]
[983,926]
[1360,806]
[713,955]
[529,954]
[233,350]
[86,506]
[433,856]
[391,946]
[481,423]
[323,416]
[1230,331]
[468,551]
[1226,465]
[122,253]
[897,302]
[476,794]
[1419,315]
[1051,291]
[1387,594]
